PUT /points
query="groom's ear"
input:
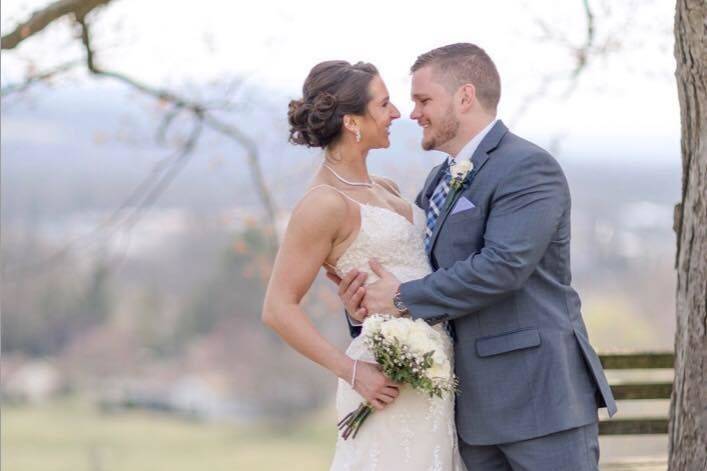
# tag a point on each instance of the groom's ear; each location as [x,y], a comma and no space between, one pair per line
[466,96]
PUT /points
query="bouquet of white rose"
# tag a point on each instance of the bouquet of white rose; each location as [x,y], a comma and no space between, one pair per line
[409,352]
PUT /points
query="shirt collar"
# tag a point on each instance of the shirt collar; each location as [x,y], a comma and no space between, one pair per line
[468,150]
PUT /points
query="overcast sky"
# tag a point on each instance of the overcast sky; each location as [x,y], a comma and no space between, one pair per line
[627,94]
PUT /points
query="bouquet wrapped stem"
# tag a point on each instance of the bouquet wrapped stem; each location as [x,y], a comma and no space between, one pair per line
[352,422]
[408,352]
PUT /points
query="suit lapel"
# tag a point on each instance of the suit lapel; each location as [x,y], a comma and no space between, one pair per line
[430,188]
[480,157]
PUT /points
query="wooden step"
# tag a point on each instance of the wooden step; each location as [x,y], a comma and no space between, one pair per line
[637,361]
[639,463]
[634,426]
[644,390]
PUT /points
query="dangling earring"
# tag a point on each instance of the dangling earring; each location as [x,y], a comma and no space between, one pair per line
[358,135]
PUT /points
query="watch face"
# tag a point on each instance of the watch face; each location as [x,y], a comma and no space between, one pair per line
[398,303]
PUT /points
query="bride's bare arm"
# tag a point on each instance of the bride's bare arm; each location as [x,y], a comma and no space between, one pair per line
[310,237]
[312,233]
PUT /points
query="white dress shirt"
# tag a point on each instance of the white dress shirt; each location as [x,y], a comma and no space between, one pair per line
[468,150]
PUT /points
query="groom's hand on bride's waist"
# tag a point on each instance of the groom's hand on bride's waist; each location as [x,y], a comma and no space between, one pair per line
[351,292]
[374,386]
[378,297]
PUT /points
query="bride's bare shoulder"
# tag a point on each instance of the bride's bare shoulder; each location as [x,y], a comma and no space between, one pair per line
[321,206]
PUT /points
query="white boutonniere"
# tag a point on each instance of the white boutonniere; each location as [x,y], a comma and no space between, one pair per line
[460,172]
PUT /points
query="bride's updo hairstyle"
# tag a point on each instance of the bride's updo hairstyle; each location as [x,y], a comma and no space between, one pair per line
[332,89]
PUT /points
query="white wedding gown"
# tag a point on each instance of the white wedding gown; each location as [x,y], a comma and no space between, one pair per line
[416,432]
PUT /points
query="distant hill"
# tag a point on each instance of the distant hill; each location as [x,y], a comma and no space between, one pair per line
[77,150]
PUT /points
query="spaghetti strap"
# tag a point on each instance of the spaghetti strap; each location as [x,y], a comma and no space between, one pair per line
[326,264]
[335,189]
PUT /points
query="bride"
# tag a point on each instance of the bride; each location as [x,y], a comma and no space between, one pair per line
[346,218]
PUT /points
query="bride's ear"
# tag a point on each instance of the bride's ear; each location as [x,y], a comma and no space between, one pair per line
[350,124]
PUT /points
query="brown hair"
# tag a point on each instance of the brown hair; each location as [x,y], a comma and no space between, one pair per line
[331,90]
[460,63]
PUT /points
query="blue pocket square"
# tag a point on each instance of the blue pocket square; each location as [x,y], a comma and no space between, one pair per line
[463,204]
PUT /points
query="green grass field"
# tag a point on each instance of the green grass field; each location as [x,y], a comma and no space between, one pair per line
[71,435]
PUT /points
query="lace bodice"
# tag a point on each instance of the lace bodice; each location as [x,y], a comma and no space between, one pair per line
[389,237]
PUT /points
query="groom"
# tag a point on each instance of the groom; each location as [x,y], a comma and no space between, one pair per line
[498,238]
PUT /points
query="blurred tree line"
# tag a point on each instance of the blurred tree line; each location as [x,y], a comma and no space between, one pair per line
[202,317]
[42,318]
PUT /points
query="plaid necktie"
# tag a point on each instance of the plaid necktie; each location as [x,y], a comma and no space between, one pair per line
[436,204]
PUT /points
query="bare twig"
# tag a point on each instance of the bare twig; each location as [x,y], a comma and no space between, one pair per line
[581,55]
[167,121]
[253,159]
[42,18]
[167,176]
[40,77]
[164,172]
[196,109]
[130,211]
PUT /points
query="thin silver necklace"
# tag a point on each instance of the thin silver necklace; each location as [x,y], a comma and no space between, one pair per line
[343,180]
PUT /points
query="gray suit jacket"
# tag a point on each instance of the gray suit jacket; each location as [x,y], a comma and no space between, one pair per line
[502,278]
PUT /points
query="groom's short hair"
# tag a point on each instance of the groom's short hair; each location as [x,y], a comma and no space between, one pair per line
[460,63]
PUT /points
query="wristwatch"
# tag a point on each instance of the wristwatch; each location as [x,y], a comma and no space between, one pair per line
[400,305]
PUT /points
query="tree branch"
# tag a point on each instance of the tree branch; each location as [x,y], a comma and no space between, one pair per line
[149,190]
[198,110]
[130,211]
[583,52]
[581,55]
[40,77]
[40,19]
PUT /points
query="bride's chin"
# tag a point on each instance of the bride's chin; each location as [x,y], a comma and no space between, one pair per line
[384,144]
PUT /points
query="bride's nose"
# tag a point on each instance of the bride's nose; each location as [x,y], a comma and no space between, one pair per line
[395,113]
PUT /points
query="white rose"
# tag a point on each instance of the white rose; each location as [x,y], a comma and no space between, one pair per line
[372,325]
[461,169]
[435,336]
[420,342]
[396,327]
[439,357]
[421,325]
[440,370]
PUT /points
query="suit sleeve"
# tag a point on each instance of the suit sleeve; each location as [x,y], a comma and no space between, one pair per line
[418,199]
[354,327]
[523,217]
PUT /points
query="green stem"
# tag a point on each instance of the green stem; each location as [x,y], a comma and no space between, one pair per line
[365,416]
[344,421]
[356,423]
[352,416]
